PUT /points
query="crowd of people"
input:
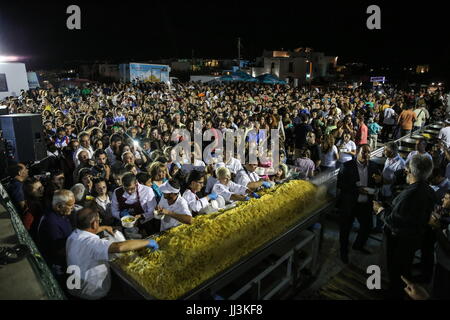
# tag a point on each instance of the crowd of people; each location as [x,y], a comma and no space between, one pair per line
[112,154]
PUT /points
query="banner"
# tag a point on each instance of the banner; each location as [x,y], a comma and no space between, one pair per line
[149,72]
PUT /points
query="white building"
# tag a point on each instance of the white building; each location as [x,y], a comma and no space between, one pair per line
[13,79]
[297,67]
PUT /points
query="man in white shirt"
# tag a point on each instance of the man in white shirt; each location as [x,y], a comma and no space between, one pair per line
[173,206]
[247,177]
[393,164]
[421,146]
[422,116]
[388,122]
[85,145]
[133,199]
[444,134]
[89,255]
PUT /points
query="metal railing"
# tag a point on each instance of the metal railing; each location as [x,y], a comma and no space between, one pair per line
[48,282]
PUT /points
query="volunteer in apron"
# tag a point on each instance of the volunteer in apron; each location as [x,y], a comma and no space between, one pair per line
[247,177]
[136,200]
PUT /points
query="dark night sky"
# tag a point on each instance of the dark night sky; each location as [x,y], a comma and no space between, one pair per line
[411,32]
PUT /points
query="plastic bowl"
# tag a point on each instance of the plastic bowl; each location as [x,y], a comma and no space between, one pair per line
[158,215]
[128,224]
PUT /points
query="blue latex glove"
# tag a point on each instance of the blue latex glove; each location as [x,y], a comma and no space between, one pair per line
[247,198]
[212,196]
[255,195]
[124,213]
[266,184]
[152,245]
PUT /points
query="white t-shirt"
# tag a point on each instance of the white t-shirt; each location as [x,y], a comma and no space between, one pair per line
[343,149]
[180,206]
[413,153]
[329,158]
[389,116]
[390,167]
[422,115]
[444,135]
[90,253]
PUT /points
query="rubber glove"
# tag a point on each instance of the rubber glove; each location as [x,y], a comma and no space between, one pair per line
[266,184]
[152,245]
[212,196]
[247,198]
[255,195]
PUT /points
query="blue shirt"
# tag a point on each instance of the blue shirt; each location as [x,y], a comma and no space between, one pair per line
[15,192]
[374,128]
[53,233]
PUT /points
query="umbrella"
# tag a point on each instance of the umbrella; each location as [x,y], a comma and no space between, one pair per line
[270,79]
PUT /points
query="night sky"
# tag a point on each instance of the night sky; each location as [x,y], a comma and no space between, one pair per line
[132,30]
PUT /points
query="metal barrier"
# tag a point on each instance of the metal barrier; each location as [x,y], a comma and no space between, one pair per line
[50,285]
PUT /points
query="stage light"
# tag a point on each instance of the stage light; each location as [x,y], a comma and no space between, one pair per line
[8,58]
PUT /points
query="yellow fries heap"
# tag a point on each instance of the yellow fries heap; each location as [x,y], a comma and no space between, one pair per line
[192,254]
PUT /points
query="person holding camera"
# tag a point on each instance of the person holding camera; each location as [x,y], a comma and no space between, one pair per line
[101,168]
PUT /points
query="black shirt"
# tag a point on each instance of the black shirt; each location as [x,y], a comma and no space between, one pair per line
[411,210]
[316,152]
[301,131]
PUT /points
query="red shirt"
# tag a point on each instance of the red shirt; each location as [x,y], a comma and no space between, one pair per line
[362,134]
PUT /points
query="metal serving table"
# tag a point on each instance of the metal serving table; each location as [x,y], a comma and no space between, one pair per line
[283,249]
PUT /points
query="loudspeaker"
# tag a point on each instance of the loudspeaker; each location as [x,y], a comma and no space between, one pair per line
[24,137]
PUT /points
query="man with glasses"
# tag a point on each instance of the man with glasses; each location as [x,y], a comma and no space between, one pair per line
[406,222]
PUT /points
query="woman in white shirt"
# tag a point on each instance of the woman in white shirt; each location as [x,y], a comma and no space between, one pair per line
[226,188]
[195,182]
[173,207]
[330,153]
[347,149]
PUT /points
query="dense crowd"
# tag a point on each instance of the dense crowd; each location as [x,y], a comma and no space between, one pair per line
[111,154]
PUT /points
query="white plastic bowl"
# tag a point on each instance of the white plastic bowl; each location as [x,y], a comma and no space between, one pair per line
[158,215]
[128,224]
